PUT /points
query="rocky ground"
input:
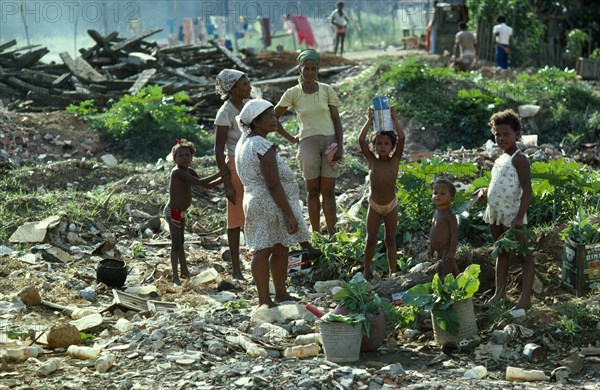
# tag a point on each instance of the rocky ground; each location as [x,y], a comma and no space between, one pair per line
[209,333]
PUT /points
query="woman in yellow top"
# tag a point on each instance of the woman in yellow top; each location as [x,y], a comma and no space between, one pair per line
[320,139]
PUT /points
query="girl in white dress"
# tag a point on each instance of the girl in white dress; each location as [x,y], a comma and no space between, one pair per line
[509,196]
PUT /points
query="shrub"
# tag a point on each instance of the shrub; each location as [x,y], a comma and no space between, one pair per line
[145,125]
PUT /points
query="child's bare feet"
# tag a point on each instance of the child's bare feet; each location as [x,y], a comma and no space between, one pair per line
[237,275]
[185,274]
[269,303]
[523,304]
[176,281]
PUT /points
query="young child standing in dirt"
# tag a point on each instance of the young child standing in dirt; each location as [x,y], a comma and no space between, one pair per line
[509,196]
[180,199]
[383,171]
[443,236]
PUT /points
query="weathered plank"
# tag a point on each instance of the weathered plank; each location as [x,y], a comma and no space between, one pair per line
[18,49]
[142,80]
[287,79]
[25,86]
[61,79]
[182,74]
[37,77]
[28,59]
[81,68]
[7,44]
[132,40]
[231,56]
[100,40]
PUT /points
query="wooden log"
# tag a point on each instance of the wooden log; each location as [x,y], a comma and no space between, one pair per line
[118,85]
[231,56]
[61,79]
[137,38]
[142,80]
[81,68]
[37,77]
[18,49]
[7,44]
[100,40]
[180,73]
[8,92]
[287,79]
[25,86]
[53,68]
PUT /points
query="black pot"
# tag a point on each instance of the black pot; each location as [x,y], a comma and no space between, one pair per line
[111,272]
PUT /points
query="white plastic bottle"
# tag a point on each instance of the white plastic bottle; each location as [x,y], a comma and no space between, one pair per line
[23,353]
[519,374]
[49,367]
[85,353]
[302,350]
[105,362]
[478,372]
[309,338]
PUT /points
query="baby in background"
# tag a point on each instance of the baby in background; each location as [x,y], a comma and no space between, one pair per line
[443,236]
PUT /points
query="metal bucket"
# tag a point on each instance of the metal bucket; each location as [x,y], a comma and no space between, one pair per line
[341,342]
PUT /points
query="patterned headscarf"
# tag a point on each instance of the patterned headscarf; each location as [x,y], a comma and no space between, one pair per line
[226,79]
[251,110]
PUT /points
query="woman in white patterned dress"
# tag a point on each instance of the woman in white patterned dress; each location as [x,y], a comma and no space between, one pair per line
[274,219]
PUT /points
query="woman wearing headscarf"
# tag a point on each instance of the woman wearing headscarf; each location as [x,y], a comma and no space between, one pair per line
[273,215]
[320,139]
[234,88]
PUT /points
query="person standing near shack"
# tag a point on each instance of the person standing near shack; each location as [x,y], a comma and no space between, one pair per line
[502,37]
[340,21]
[465,48]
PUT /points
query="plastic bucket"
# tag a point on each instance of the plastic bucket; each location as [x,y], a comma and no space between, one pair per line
[341,342]
[466,319]
[111,272]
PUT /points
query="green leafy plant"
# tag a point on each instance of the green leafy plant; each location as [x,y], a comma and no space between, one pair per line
[576,38]
[356,297]
[86,336]
[584,229]
[137,250]
[351,318]
[235,305]
[509,242]
[145,125]
[14,335]
[414,189]
[595,54]
[439,296]
[83,109]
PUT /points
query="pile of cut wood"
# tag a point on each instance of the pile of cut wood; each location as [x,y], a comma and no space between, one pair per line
[111,68]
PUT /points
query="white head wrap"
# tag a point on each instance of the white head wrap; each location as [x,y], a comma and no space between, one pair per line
[226,79]
[251,110]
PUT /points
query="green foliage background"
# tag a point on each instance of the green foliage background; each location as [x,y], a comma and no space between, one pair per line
[145,125]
